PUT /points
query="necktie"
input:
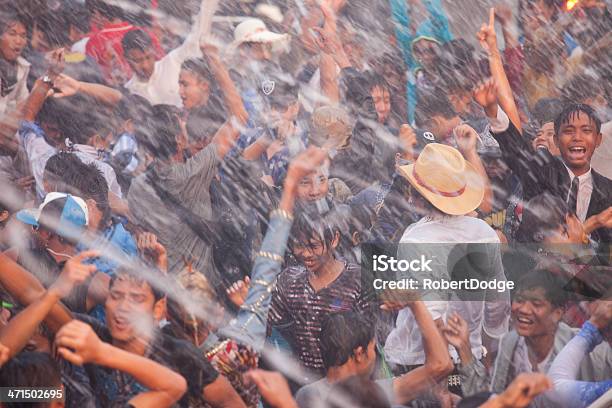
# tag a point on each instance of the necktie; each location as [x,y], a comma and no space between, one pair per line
[572,200]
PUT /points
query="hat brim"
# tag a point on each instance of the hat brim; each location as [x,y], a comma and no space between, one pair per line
[462,204]
[265,37]
[29,216]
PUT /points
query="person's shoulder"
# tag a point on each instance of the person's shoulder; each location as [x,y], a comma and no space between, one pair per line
[602,182]
[292,276]
[22,62]
[482,231]
[305,395]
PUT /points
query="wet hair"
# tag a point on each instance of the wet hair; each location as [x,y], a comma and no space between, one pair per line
[61,165]
[77,15]
[311,226]
[572,111]
[199,67]
[357,392]
[10,15]
[136,40]
[157,133]
[30,370]
[90,183]
[54,27]
[547,110]
[342,334]
[133,276]
[376,80]
[52,111]
[433,103]
[581,87]
[107,10]
[542,215]
[546,280]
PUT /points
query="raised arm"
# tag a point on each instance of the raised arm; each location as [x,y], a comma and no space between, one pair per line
[250,324]
[437,360]
[68,86]
[488,41]
[79,344]
[231,96]
[20,329]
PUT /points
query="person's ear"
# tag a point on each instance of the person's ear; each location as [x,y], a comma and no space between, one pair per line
[598,140]
[336,240]
[355,238]
[159,309]
[359,354]
[557,314]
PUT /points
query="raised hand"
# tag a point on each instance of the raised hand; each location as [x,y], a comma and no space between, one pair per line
[64,86]
[407,140]
[602,314]
[486,35]
[306,162]
[524,389]
[237,293]
[485,94]
[55,63]
[75,272]
[466,138]
[503,12]
[457,334]
[78,343]
[152,249]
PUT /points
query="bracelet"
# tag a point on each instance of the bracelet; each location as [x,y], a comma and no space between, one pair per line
[283,214]
[270,255]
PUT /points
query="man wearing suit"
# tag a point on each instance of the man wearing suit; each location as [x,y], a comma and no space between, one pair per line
[577,134]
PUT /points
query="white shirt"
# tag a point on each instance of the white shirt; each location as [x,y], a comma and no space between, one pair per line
[404,344]
[585,189]
[39,152]
[162,87]
[602,158]
[20,93]
[80,46]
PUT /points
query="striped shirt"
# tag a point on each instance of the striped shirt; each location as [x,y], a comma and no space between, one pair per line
[297,311]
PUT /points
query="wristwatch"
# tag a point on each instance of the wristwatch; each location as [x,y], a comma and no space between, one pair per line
[47,81]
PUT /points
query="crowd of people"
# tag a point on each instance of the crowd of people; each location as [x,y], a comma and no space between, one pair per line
[191,194]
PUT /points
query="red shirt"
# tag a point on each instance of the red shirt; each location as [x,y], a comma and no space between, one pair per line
[105,47]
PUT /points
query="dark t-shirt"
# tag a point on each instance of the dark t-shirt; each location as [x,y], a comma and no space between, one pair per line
[109,387]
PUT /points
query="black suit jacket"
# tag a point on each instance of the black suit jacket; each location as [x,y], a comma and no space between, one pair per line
[540,172]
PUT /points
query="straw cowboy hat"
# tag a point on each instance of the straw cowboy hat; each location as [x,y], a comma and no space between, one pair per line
[445,179]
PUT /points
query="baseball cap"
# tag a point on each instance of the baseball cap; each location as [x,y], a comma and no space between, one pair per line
[330,123]
[279,90]
[73,218]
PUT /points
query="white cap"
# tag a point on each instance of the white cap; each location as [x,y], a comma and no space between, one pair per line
[255,30]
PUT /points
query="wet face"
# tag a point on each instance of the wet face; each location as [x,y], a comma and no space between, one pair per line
[577,140]
[194,91]
[533,314]
[314,254]
[131,310]
[257,51]
[141,62]
[461,101]
[313,187]
[382,103]
[13,40]
[545,139]
[426,53]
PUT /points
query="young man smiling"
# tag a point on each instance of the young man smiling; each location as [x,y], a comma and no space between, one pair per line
[577,134]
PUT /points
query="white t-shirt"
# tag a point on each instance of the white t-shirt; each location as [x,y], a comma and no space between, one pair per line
[39,152]
[162,87]
[404,344]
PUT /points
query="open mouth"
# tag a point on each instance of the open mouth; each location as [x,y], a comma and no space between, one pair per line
[524,321]
[577,152]
[121,323]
